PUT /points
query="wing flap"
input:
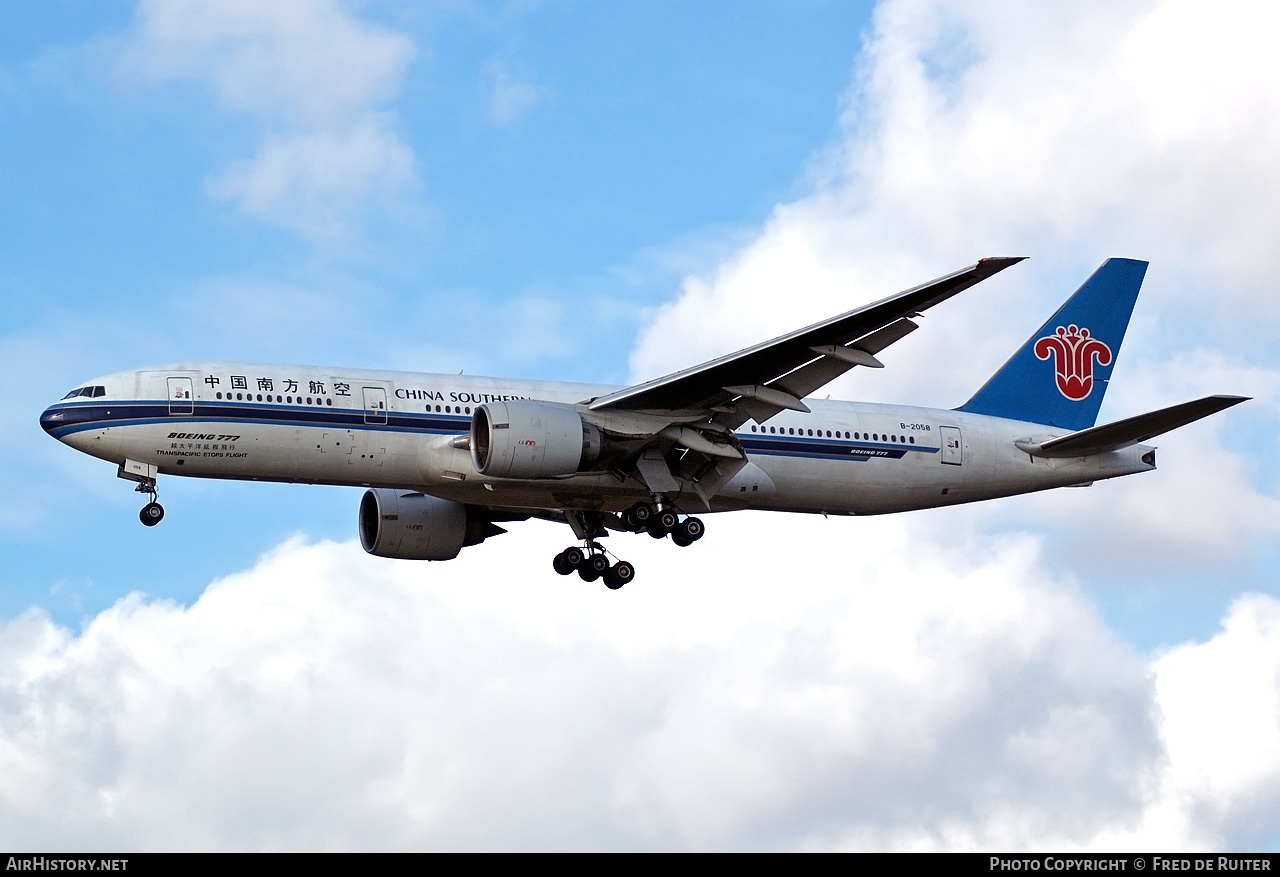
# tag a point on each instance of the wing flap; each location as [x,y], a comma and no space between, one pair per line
[1130,431]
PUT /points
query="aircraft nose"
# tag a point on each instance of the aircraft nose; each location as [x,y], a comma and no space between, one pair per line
[52,418]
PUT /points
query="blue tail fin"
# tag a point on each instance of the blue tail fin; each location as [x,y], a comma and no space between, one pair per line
[1060,375]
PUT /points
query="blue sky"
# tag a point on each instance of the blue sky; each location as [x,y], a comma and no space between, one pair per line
[632,143]
[607,192]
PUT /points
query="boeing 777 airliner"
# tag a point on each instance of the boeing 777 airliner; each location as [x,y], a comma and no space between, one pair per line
[447,458]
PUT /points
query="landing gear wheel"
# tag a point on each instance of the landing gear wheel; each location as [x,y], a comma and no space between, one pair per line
[655,528]
[678,537]
[690,530]
[621,573]
[637,516]
[573,556]
[667,520]
[151,513]
[593,567]
[561,565]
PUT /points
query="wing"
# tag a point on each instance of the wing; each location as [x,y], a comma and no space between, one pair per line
[677,431]
[758,382]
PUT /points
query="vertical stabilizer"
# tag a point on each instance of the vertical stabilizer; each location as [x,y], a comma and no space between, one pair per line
[1058,377]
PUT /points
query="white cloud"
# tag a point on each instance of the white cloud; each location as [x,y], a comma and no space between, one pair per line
[903,697]
[512,97]
[1029,129]
[1055,133]
[1220,702]
[313,181]
[311,62]
[320,81]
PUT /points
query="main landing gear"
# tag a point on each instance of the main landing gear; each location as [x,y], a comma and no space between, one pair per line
[658,521]
[152,512]
[592,563]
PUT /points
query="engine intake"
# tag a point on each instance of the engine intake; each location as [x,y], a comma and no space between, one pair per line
[521,439]
[409,525]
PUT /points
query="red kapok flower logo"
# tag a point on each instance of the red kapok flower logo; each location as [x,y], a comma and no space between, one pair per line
[1074,354]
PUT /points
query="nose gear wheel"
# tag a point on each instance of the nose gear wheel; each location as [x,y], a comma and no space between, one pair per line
[152,513]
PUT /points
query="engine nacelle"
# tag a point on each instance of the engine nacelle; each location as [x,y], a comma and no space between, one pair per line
[523,439]
[411,525]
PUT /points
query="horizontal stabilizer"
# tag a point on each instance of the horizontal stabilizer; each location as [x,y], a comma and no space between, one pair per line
[1131,430]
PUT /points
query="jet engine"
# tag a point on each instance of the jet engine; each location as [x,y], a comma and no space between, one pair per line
[416,526]
[525,439]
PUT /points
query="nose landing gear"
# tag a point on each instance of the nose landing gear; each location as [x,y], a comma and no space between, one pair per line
[145,476]
[152,513]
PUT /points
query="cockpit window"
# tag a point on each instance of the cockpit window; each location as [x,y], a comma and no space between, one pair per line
[91,392]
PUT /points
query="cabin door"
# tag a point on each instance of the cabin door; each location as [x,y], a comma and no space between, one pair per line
[952,448]
[375,406]
[181,400]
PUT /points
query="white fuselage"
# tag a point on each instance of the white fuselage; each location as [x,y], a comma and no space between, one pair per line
[398,429]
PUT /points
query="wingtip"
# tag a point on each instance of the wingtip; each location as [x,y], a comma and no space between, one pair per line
[998,263]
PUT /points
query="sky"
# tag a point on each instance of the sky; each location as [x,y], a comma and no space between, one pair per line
[610,192]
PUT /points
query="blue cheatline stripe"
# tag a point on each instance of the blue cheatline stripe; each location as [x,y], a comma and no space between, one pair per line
[83,417]
[789,446]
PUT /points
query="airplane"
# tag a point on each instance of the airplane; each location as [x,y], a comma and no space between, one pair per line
[448,458]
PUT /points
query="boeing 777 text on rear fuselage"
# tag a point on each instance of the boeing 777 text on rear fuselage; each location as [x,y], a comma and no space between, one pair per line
[448,458]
